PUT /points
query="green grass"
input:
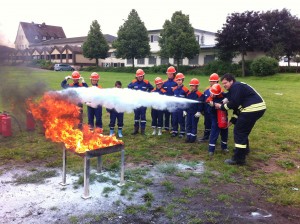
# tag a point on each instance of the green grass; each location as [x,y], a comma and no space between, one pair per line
[274,141]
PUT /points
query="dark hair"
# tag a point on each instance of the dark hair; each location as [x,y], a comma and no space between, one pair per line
[118,83]
[228,77]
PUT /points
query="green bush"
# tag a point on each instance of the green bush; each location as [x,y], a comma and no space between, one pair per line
[222,67]
[264,66]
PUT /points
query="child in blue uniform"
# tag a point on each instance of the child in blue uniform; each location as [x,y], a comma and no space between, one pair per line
[168,85]
[114,115]
[213,79]
[216,97]
[157,115]
[178,117]
[193,112]
[140,113]
[64,84]
[95,112]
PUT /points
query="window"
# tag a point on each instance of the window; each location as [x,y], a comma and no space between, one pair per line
[180,61]
[152,60]
[153,38]
[141,61]
[129,61]
[70,56]
[208,58]
[36,37]
[197,38]
[44,38]
[202,39]
[164,61]
[194,61]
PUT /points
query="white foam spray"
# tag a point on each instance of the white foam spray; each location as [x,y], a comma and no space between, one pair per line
[125,100]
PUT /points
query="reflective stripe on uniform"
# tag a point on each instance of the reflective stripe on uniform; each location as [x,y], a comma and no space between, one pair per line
[240,146]
[255,107]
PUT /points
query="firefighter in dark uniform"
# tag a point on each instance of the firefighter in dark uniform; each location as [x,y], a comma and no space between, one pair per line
[156,114]
[178,116]
[168,85]
[140,113]
[213,79]
[193,111]
[248,107]
[64,84]
[95,112]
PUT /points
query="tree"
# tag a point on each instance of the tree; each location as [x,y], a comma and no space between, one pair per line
[133,41]
[178,39]
[283,32]
[242,32]
[96,45]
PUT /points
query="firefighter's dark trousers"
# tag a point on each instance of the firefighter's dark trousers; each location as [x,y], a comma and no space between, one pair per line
[242,129]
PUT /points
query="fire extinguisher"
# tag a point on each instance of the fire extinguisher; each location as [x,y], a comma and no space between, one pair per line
[30,123]
[6,125]
[222,119]
[1,116]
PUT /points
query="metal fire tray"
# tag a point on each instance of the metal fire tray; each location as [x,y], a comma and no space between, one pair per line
[90,154]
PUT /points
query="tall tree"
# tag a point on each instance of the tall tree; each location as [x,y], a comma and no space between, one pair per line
[95,46]
[178,38]
[283,31]
[242,32]
[133,41]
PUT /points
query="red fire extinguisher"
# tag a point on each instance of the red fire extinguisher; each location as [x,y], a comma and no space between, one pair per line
[222,119]
[6,125]
[30,123]
[1,116]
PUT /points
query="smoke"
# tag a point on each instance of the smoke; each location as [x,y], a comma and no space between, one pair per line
[16,89]
[124,100]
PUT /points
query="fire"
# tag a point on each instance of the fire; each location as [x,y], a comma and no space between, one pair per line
[60,119]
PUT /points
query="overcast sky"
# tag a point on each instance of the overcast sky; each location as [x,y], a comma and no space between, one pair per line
[75,17]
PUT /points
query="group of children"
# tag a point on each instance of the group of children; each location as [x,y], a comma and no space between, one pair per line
[184,121]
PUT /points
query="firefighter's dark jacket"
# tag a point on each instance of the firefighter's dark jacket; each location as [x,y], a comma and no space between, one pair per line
[243,99]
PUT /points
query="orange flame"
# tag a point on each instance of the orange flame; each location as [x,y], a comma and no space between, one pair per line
[60,119]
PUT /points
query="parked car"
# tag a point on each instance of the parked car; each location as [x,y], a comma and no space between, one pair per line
[63,67]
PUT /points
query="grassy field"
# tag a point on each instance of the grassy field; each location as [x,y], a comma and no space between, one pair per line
[273,163]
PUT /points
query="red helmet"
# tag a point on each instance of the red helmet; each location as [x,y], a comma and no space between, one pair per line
[158,80]
[171,69]
[194,82]
[95,76]
[139,73]
[214,77]
[179,76]
[215,89]
[75,75]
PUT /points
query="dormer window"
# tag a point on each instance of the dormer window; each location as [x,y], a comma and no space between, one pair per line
[36,37]
[202,39]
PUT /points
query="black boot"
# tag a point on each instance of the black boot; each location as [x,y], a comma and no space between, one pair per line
[142,131]
[136,130]
[205,136]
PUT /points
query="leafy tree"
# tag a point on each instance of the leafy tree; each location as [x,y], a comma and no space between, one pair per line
[296,59]
[133,41]
[96,45]
[283,32]
[241,33]
[178,39]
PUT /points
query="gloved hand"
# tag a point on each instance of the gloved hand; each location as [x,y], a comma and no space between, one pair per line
[90,104]
[198,114]
[184,113]
[68,77]
[82,79]
[225,100]
[211,103]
